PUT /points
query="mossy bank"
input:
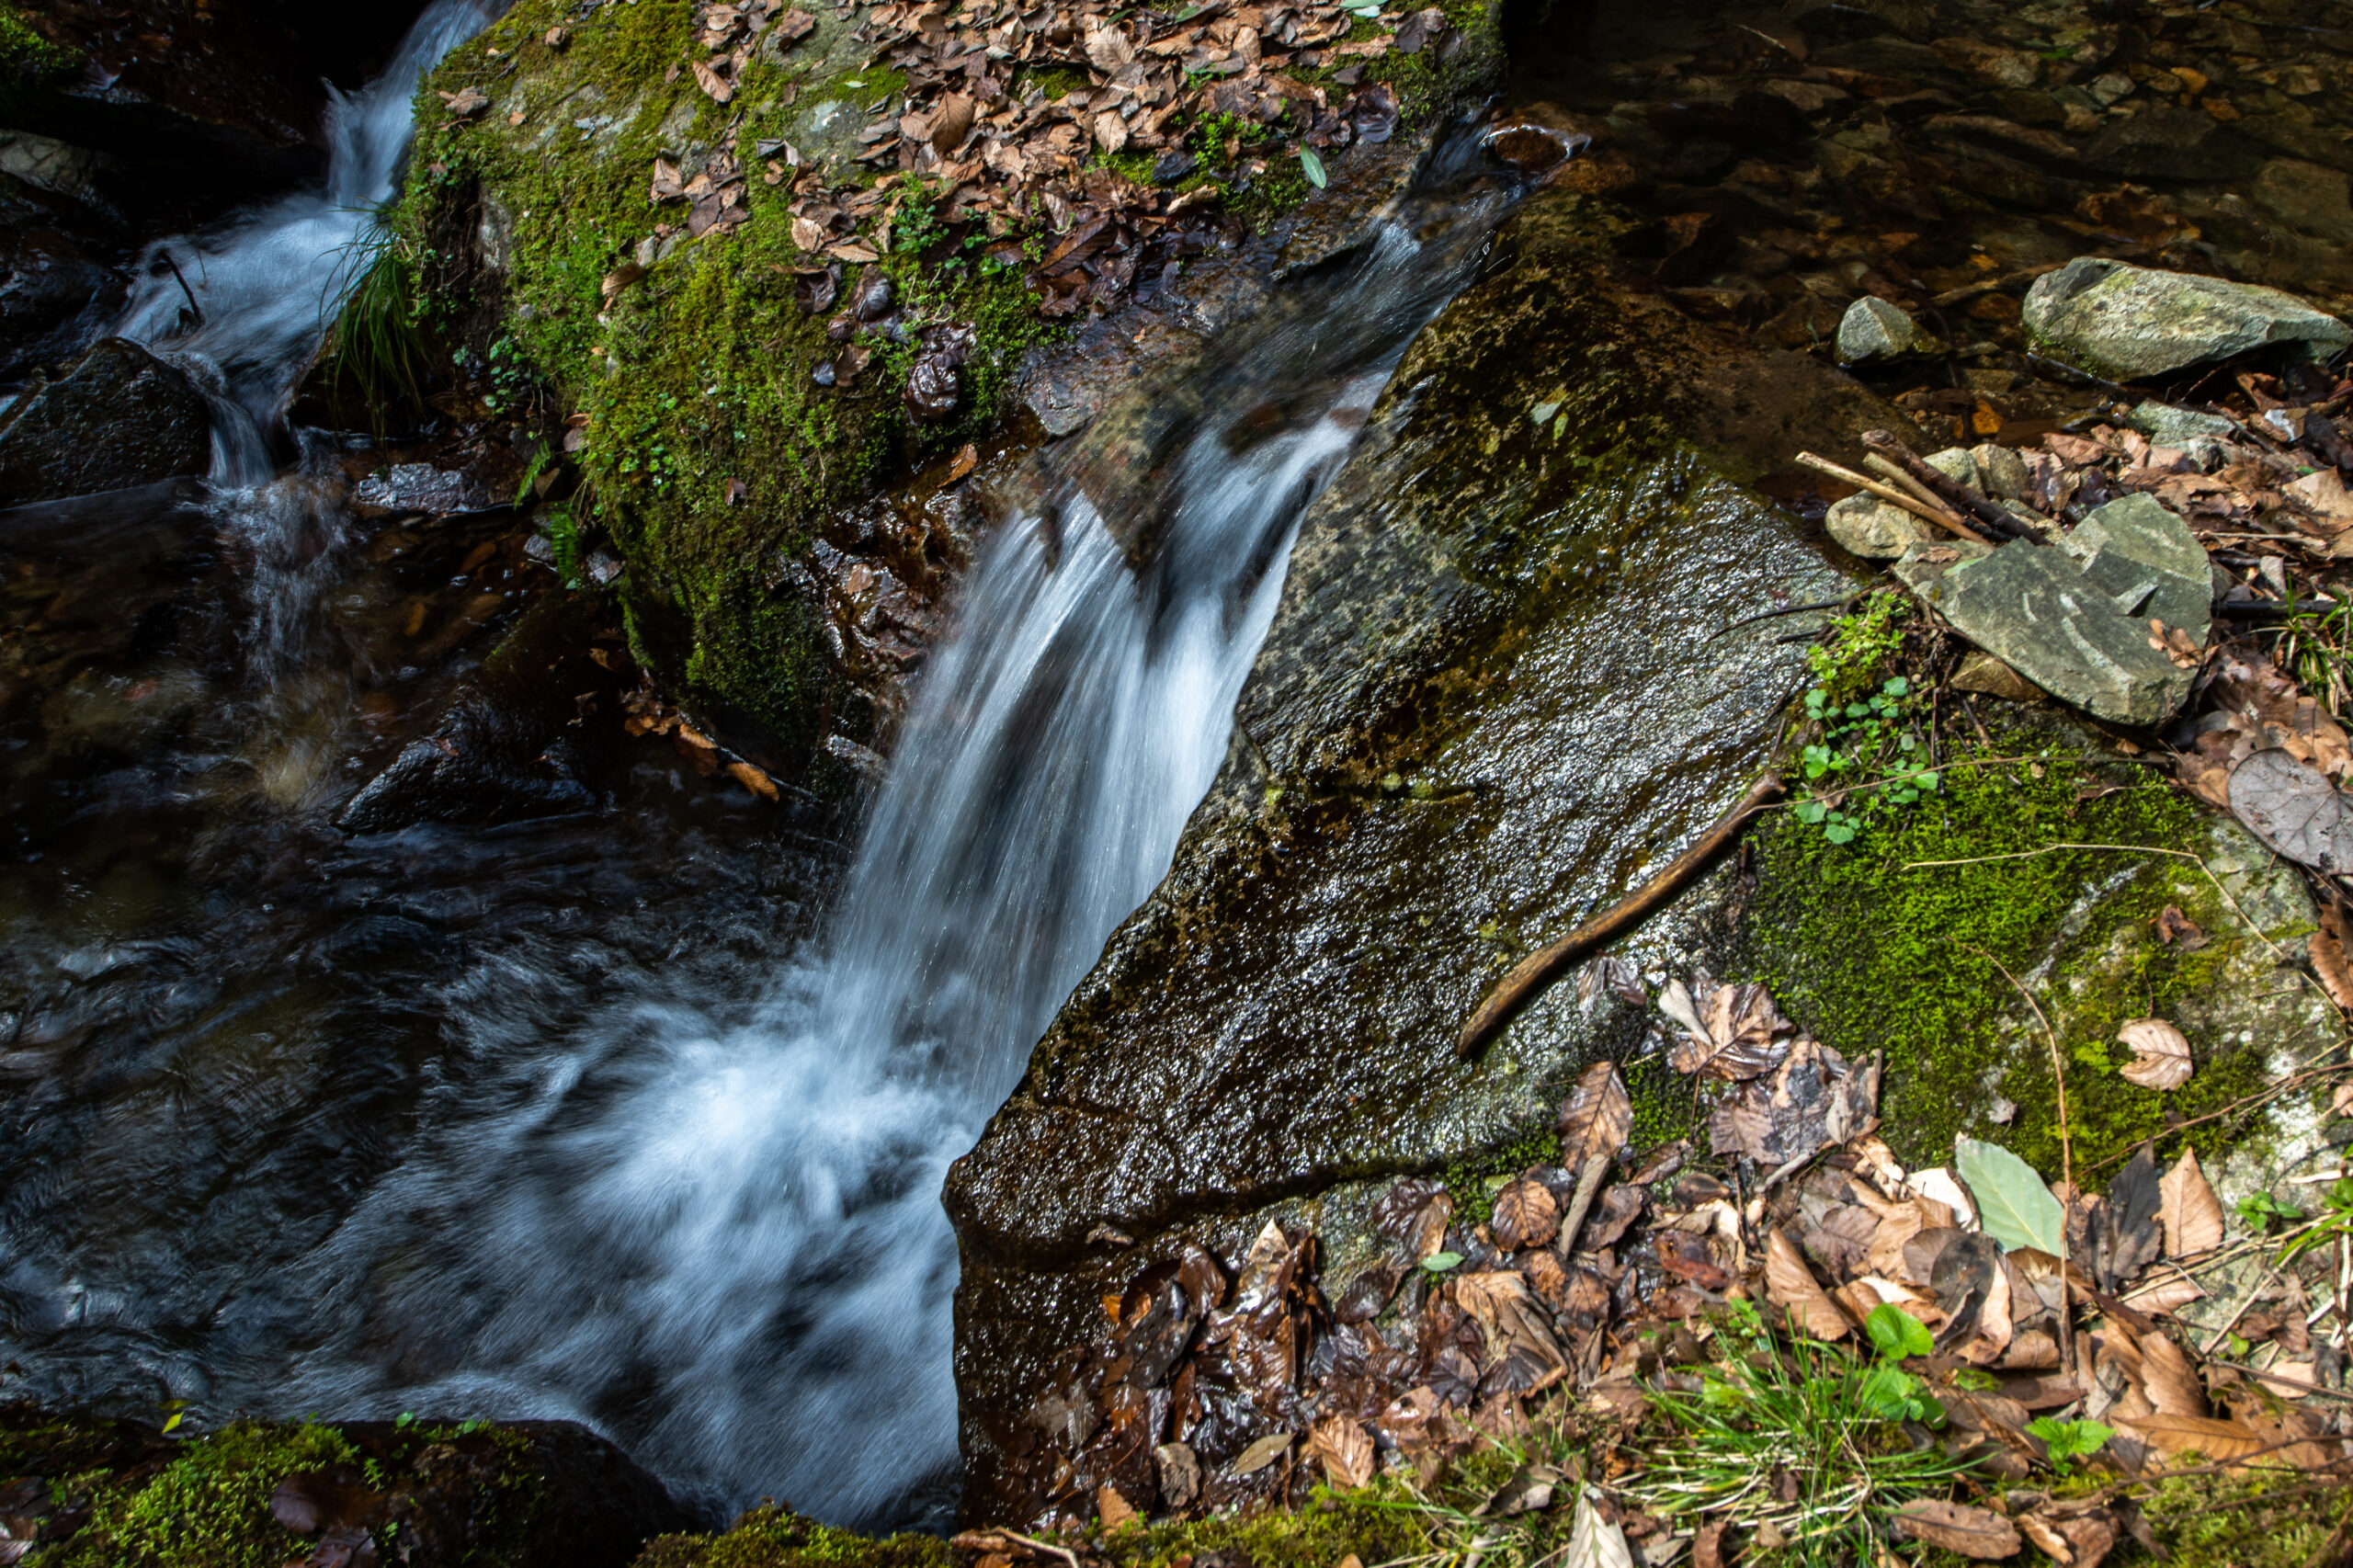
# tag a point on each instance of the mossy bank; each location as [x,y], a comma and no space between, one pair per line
[679,369]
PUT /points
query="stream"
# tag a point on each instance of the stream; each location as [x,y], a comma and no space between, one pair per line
[637,1116]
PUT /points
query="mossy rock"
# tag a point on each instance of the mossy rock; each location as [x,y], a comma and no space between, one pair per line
[711,457]
[113,1494]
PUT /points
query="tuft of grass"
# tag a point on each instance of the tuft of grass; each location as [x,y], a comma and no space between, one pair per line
[377,343]
[1799,1436]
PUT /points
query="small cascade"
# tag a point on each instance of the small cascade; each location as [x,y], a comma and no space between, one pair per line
[715,1230]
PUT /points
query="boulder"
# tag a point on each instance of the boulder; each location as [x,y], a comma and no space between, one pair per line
[1875,530]
[2128,322]
[120,417]
[2073,619]
[1874,329]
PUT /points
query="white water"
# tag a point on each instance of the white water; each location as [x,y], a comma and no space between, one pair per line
[268,282]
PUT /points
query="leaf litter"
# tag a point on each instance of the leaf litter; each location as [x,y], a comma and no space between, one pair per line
[2010,1330]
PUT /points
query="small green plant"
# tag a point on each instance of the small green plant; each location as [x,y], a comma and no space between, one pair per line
[378,339]
[1439,1262]
[2314,649]
[2261,1211]
[1896,1333]
[2336,1221]
[2069,1440]
[1802,1436]
[564,537]
[1864,742]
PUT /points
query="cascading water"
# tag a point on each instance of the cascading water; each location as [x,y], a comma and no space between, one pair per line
[721,1237]
[529,1122]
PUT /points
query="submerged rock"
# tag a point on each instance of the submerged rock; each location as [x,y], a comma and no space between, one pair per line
[2074,618]
[1874,329]
[119,418]
[2128,322]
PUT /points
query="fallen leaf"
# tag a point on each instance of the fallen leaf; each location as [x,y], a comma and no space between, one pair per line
[1597,1118]
[1525,1215]
[466,102]
[2013,1205]
[720,89]
[2163,1295]
[2176,929]
[2341,1102]
[1708,1544]
[966,461]
[2222,1441]
[1790,1285]
[2160,1059]
[1112,1510]
[1344,1448]
[1179,1471]
[621,277]
[953,123]
[1263,1453]
[2294,809]
[2040,1531]
[2327,951]
[1973,1532]
[1594,1542]
[2190,1212]
[1108,49]
[2167,1377]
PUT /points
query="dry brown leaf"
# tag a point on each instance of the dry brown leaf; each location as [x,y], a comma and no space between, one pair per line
[2190,1211]
[1344,1448]
[953,123]
[2222,1441]
[2341,1102]
[621,277]
[2043,1534]
[2163,1295]
[466,102]
[1996,1327]
[753,778]
[1790,1285]
[1112,1509]
[1108,49]
[2160,1059]
[1597,1118]
[1525,1215]
[2166,1374]
[712,82]
[1973,1532]
[2327,950]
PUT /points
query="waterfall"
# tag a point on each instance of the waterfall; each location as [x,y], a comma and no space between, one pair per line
[715,1231]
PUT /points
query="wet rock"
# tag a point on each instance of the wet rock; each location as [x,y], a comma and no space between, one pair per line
[936,382]
[1872,528]
[531,734]
[120,417]
[2074,618]
[58,290]
[2167,142]
[2306,196]
[1878,330]
[421,488]
[2001,472]
[1287,1002]
[2127,321]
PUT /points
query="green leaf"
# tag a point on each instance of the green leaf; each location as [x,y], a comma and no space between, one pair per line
[1896,687]
[1439,1262]
[2069,1440]
[1897,1332]
[1838,833]
[178,1417]
[2013,1205]
[1313,166]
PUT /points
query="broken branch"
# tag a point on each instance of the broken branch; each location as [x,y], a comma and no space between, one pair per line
[1948,489]
[1533,973]
[1894,497]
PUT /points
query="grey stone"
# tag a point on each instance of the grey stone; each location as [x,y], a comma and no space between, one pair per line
[2001,472]
[2033,608]
[1873,329]
[120,417]
[1956,465]
[2132,322]
[2148,561]
[1870,528]
[421,488]
[2170,426]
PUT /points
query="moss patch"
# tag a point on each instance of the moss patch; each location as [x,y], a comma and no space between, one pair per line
[1870,955]
[207,1508]
[778,1538]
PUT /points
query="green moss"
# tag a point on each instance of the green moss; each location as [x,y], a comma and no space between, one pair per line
[1871,955]
[777,1538]
[209,1509]
[2263,1518]
[1473,1180]
[29,63]
[1376,1525]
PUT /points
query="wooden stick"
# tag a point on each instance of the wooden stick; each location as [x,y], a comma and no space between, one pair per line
[1948,489]
[1896,476]
[1894,497]
[1533,973]
[1588,1183]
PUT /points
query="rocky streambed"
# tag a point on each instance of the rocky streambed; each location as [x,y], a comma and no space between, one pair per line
[710,362]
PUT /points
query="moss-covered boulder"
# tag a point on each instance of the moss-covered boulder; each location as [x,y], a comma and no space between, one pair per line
[94,1493]
[1517,666]
[692,364]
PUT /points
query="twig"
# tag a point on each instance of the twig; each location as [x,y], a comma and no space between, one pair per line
[2066,1147]
[1948,521]
[1992,285]
[1786,610]
[1535,971]
[1065,1554]
[1902,481]
[1588,1183]
[1950,491]
[2275,1377]
[193,307]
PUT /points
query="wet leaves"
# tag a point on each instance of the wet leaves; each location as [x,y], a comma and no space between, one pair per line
[1973,1532]
[1739,1035]
[1525,1215]
[1597,1118]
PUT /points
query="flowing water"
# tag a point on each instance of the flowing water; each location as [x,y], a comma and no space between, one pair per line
[590,1116]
